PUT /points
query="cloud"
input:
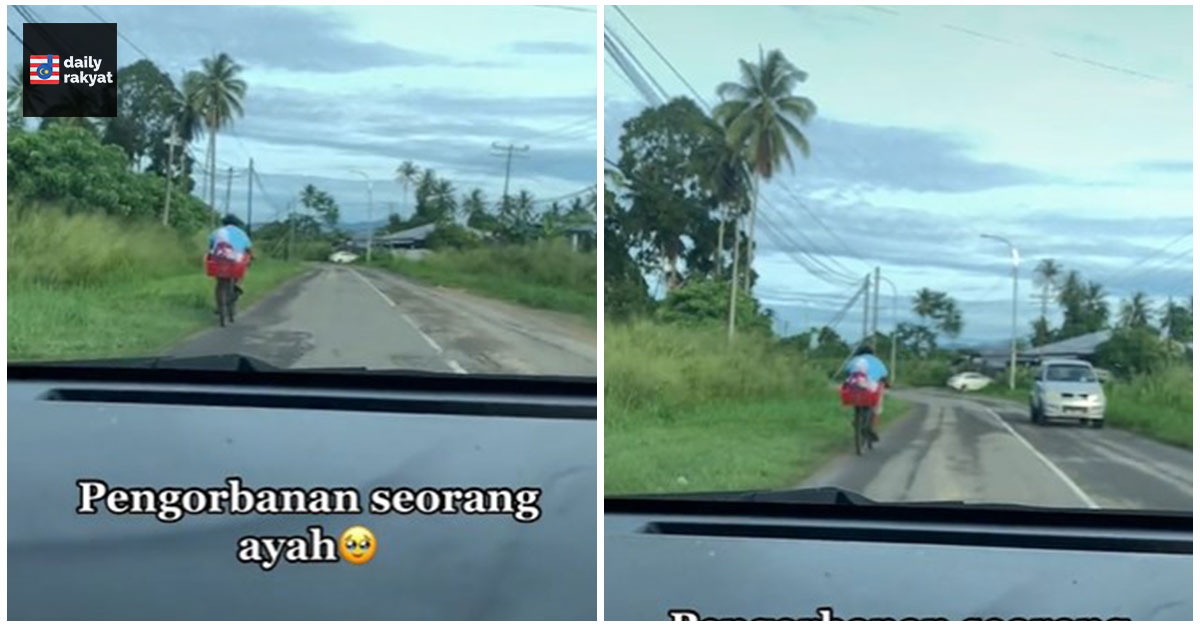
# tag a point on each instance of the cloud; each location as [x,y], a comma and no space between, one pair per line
[551,48]
[1165,165]
[281,37]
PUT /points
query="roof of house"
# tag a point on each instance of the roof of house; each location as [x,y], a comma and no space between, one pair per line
[1079,345]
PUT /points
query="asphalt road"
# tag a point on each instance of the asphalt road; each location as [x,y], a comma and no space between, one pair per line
[341,316]
[966,448]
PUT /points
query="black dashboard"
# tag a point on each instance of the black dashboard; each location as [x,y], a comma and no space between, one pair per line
[728,558]
[172,425]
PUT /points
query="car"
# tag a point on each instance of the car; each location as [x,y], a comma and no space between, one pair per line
[343,257]
[968,381]
[1067,389]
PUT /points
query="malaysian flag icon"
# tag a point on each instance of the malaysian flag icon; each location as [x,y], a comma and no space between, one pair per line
[43,69]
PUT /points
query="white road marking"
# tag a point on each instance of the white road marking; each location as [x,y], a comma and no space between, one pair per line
[406,317]
[1046,461]
[454,366]
[374,287]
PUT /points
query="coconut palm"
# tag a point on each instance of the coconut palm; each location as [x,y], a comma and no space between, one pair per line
[727,175]
[1046,276]
[406,175]
[216,93]
[16,116]
[1135,311]
[762,119]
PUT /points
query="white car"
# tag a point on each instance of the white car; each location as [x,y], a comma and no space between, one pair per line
[968,381]
[1067,389]
[342,257]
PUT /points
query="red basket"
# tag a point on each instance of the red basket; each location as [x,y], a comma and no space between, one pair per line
[854,396]
[225,269]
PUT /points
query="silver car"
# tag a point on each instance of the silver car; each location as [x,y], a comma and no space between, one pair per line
[1067,389]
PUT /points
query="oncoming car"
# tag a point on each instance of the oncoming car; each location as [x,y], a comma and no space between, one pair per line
[342,257]
[968,381]
[1067,389]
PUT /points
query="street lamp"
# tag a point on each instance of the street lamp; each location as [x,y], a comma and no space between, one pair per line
[370,231]
[895,324]
[1016,260]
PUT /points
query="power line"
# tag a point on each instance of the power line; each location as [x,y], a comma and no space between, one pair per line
[1056,53]
[119,33]
[18,37]
[1159,251]
[664,59]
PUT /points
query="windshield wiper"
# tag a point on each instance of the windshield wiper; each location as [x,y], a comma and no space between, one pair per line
[230,362]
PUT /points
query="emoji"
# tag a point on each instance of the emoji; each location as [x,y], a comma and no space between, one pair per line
[357,545]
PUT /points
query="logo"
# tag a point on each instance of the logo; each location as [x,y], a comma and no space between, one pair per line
[43,69]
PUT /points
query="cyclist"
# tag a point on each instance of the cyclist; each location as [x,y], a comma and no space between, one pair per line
[229,243]
[868,370]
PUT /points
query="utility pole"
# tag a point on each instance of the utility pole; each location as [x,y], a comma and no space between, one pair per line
[875,308]
[507,153]
[291,231]
[370,231]
[171,141]
[733,279]
[250,199]
[866,293]
[1016,261]
[228,188]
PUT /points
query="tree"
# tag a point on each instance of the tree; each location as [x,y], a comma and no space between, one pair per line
[320,203]
[1135,312]
[406,175]
[625,292]
[1042,334]
[915,340]
[1177,321]
[703,301]
[1132,351]
[147,105]
[726,174]
[937,311]
[668,206]
[216,93]
[762,117]
[16,106]
[1045,276]
[474,206]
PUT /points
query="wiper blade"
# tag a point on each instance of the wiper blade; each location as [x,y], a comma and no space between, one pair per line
[232,362]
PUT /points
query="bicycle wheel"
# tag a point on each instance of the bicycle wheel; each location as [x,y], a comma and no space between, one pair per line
[858,431]
[219,297]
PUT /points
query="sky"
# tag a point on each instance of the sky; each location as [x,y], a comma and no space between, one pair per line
[1067,130]
[331,89]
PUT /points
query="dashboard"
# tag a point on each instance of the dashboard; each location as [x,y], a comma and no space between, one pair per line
[132,427]
[699,559]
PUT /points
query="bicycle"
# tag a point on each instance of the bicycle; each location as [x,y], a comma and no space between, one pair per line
[863,402]
[227,273]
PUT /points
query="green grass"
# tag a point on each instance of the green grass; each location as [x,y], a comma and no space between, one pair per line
[91,286]
[686,412]
[545,275]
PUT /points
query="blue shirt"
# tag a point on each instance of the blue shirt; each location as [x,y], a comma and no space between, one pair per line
[233,235]
[875,367]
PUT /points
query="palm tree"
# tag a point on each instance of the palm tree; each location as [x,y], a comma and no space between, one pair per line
[443,191]
[1096,304]
[761,118]
[927,303]
[16,111]
[216,92]
[727,174]
[406,175]
[1046,276]
[1135,311]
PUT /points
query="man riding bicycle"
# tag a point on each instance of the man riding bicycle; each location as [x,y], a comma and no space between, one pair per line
[229,244]
[870,372]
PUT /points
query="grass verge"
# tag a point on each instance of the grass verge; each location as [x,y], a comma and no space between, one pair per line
[545,275]
[687,412]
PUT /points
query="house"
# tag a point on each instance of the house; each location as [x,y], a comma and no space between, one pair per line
[1083,347]
[412,238]
[582,237]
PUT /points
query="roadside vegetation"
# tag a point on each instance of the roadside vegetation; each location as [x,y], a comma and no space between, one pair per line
[544,274]
[685,411]
[105,256]
[538,253]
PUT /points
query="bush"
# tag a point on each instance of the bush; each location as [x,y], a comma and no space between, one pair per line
[72,170]
[707,303]
[1133,351]
[451,236]
[48,246]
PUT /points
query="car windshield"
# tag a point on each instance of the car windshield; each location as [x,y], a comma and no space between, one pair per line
[785,185]
[1072,373]
[378,187]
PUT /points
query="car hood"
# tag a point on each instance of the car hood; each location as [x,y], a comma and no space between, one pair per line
[1075,388]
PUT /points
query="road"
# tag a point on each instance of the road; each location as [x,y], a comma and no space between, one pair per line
[341,316]
[955,447]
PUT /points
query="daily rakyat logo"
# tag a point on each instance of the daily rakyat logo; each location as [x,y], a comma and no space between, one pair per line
[43,69]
